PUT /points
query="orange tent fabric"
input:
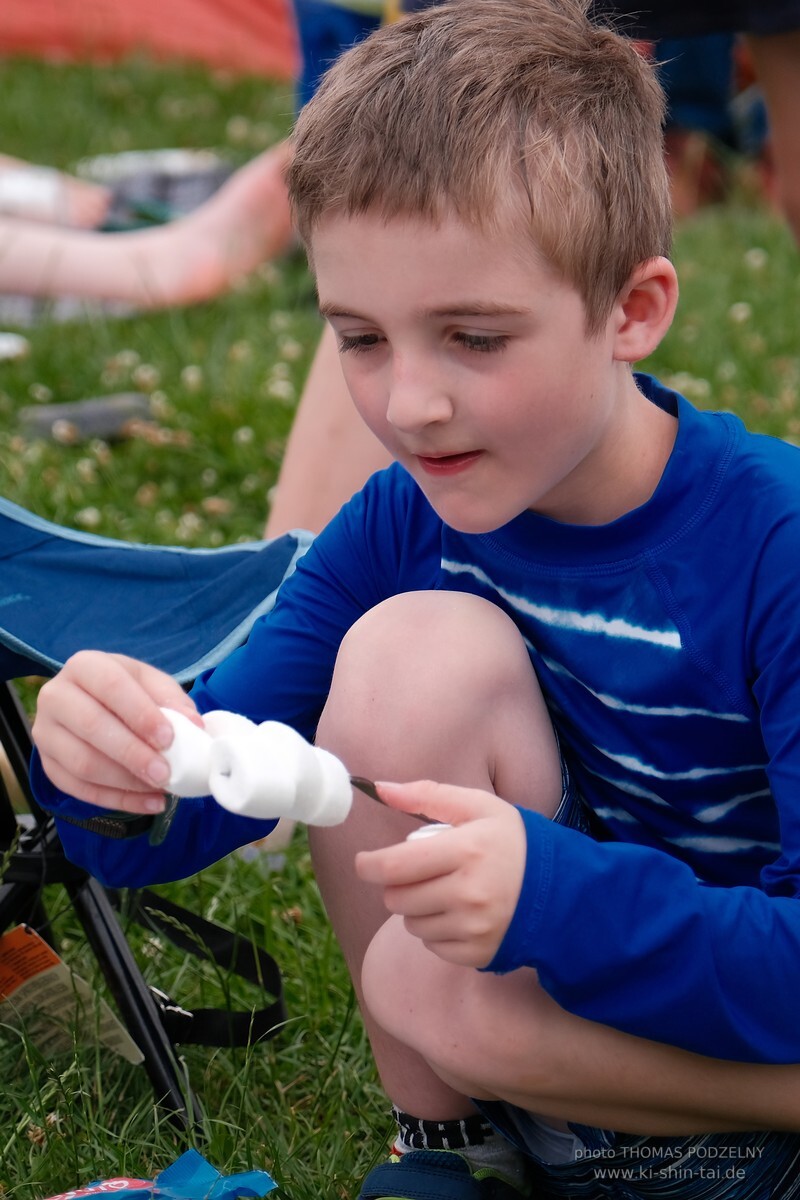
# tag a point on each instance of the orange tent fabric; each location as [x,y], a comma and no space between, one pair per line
[246,36]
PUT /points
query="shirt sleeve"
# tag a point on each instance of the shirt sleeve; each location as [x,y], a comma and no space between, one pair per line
[628,936]
[282,673]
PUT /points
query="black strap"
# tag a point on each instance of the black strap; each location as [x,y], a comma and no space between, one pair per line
[113,827]
[196,935]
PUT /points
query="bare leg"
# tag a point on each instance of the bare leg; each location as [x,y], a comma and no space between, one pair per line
[428,685]
[330,453]
[188,260]
[506,1039]
[777,64]
[439,685]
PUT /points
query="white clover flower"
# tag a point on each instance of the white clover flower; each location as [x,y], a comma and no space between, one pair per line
[192,377]
[86,470]
[188,525]
[66,433]
[281,389]
[146,376]
[240,351]
[160,406]
[217,506]
[40,392]
[238,130]
[146,495]
[88,518]
[756,258]
[290,349]
[740,312]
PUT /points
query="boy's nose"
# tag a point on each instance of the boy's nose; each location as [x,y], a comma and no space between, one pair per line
[416,401]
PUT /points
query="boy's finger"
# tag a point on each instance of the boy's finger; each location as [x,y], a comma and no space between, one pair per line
[104,794]
[143,693]
[85,736]
[410,862]
[440,801]
[74,757]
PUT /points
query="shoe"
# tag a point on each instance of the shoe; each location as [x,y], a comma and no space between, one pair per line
[435,1175]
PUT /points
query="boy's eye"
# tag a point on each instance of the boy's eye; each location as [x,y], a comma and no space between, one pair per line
[357,343]
[483,343]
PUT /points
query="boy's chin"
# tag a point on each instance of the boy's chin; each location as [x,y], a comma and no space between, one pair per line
[470,522]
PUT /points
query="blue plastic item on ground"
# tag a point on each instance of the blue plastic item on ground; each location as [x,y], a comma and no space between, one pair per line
[189,1178]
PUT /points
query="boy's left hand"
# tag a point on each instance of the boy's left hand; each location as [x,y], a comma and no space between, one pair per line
[456,891]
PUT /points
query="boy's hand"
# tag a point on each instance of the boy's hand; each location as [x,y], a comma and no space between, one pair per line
[457,891]
[99,730]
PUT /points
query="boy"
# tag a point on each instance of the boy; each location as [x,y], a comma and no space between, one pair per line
[482,193]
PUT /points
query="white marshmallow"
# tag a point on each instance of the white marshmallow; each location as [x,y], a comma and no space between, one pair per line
[188,756]
[337,791]
[220,723]
[255,774]
[276,773]
[263,771]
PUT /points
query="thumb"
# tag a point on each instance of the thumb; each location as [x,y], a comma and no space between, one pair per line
[439,801]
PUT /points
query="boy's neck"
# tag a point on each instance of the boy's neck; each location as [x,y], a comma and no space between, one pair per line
[630,465]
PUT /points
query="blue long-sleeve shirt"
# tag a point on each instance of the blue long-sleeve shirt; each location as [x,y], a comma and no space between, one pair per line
[667,646]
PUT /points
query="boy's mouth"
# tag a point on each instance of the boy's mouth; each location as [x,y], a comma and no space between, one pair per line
[448,464]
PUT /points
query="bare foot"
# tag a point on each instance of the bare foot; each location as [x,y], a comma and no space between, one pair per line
[245,223]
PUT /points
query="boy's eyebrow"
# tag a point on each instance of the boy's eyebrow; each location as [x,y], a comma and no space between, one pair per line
[478,308]
[474,308]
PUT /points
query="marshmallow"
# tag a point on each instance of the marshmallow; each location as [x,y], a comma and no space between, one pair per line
[188,756]
[263,771]
[336,793]
[223,724]
[256,774]
[274,773]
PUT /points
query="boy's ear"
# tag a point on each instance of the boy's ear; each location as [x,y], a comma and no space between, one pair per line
[644,309]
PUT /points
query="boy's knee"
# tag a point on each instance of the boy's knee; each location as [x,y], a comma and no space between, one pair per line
[436,640]
[408,991]
[448,1015]
[440,685]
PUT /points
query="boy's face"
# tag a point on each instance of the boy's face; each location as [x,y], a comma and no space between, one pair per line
[468,358]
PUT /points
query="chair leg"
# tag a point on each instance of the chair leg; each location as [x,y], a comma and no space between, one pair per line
[40,859]
[135,1002]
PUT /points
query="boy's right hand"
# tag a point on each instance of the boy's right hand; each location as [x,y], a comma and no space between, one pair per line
[99,730]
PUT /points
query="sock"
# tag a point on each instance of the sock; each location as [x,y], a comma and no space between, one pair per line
[473,1138]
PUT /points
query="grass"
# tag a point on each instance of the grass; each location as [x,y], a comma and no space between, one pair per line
[224,378]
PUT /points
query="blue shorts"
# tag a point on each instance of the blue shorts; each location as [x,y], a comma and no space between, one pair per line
[619,1166]
[653,19]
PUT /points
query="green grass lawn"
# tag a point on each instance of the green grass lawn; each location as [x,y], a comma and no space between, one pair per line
[223,379]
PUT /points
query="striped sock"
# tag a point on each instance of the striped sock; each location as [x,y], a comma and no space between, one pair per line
[473,1137]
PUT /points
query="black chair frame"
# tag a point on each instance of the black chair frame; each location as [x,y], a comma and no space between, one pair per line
[33,856]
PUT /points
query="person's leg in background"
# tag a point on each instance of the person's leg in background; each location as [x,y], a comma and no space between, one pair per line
[325,30]
[697,76]
[330,452]
[776,60]
[40,193]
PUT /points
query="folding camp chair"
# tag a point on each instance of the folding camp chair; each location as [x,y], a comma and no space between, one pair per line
[183,611]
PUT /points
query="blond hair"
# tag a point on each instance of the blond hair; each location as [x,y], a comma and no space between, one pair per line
[477,104]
